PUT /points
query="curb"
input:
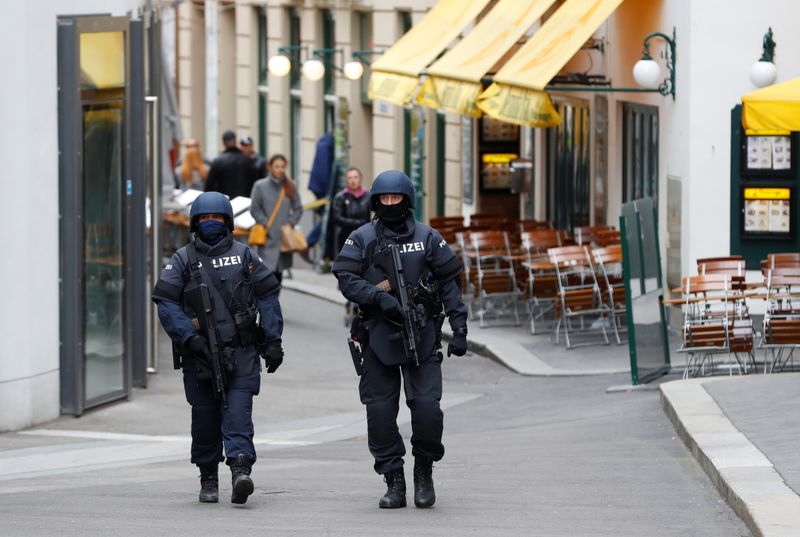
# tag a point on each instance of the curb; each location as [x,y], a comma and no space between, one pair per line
[740,471]
[508,353]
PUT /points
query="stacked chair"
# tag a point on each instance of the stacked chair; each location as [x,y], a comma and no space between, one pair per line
[508,261]
[496,293]
[539,274]
[781,328]
[716,319]
[608,261]
[580,308]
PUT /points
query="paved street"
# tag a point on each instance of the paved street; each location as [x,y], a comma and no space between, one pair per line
[525,456]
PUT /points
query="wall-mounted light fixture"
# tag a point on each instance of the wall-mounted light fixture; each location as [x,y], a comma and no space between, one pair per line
[354,69]
[763,72]
[321,58]
[647,72]
[280,64]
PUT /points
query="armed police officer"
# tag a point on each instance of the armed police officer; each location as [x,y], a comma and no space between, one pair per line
[219,304]
[402,274]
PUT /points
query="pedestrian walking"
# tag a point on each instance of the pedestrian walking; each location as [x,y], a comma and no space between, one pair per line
[260,163]
[431,271]
[350,211]
[350,206]
[276,193]
[232,173]
[219,304]
[192,170]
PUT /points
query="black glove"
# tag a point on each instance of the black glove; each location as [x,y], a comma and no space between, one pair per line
[198,346]
[390,307]
[458,345]
[273,356]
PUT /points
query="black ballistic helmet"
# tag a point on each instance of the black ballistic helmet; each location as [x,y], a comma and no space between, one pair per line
[391,182]
[211,203]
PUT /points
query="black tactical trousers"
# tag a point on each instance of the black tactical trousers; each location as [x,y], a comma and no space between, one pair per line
[214,426]
[380,392]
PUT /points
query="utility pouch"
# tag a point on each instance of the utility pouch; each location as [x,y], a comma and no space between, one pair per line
[247,326]
[176,356]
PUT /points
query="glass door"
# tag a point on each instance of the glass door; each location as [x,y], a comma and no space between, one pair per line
[102,207]
[103,276]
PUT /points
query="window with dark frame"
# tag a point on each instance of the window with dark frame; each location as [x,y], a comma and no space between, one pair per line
[262,80]
[639,152]
[567,172]
[294,94]
[329,79]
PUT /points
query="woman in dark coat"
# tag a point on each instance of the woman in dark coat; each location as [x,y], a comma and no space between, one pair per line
[350,206]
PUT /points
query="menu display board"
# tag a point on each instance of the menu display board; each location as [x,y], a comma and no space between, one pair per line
[768,156]
[496,170]
[767,211]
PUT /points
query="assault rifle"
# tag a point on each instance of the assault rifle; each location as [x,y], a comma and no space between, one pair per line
[207,322]
[388,259]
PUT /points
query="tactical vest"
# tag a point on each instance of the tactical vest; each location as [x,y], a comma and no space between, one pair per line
[413,251]
[227,277]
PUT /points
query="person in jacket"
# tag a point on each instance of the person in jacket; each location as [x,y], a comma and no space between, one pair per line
[192,170]
[238,286]
[431,267]
[247,147]
[350,206]
[232,173]
[264,199]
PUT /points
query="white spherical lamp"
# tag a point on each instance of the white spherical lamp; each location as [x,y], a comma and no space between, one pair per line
[353,70]
[313,70]
[763,73]
[279,65]
[647,73]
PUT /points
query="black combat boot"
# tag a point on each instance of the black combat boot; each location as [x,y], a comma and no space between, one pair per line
[395,490]
[209,484]
[424,495]
[240,479]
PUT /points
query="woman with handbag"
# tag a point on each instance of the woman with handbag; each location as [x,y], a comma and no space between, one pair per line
[275,203]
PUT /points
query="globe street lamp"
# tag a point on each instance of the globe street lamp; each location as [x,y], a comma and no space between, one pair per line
[763,72]
[647,72]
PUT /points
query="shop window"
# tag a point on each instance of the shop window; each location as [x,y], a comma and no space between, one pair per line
[640,152]
[568,180]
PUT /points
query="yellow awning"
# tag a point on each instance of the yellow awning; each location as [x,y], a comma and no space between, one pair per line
[454,80]
[517,94]
[774,108]
[395,74]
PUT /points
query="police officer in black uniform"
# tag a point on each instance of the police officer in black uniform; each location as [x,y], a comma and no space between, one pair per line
[426,257]
[247,322]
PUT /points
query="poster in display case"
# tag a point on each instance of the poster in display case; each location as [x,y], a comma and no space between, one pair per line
[769,156]
[767,213]
[496,171]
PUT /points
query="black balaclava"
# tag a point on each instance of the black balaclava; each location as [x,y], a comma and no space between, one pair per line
[393,216]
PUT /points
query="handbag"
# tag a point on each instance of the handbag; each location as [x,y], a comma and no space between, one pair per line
[293,239]
[257,236]
[258,233]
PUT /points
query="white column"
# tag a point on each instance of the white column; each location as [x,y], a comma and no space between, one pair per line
[212,75]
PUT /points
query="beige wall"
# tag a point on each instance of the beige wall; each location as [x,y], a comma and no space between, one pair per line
[191,71]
